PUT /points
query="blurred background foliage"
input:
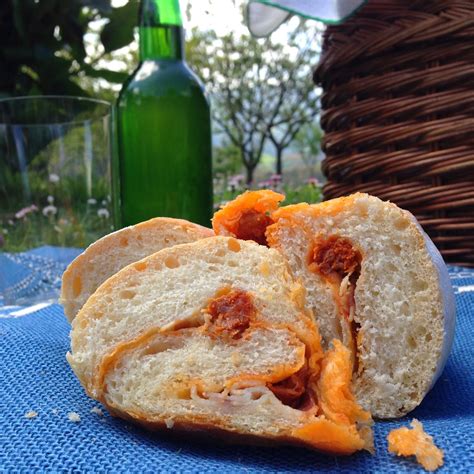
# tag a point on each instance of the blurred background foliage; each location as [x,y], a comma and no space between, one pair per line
[43,44]
[265,106]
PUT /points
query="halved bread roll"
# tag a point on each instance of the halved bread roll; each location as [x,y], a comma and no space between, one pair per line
[375,281]
[214,335]
[114,251]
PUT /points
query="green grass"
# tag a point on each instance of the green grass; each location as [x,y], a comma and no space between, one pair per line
[78,223]
[62,214]
[227,189]
[67,228]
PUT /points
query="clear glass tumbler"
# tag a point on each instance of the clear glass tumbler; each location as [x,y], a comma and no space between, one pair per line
[55,190]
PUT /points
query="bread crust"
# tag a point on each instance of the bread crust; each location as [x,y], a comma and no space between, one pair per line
[177,231]
[208,431]
[336,433]
[299,219]
[298,216]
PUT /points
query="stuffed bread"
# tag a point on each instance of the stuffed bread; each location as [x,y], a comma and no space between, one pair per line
[111,253]
[214,335]
[374,280]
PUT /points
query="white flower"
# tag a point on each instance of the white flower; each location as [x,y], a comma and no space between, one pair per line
[104,202]
[49,210]
[25,211]
[50,199]
[10,222]
[92,201]
[53,178]
[109,198]
[103,213]
[5,231]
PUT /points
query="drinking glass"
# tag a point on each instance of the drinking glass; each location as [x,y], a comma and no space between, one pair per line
[55,190]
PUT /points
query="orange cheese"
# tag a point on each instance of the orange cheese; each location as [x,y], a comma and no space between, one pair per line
[415,442]
[326,435]
[248,216]
[333,388]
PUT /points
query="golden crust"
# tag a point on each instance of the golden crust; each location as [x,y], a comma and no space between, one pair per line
[316,432]
[333,439]
[72,278]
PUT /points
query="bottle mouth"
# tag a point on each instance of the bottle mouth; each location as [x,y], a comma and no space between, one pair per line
[160,13]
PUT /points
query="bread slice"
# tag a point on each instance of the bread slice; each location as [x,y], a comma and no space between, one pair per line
[114,251]
[214,335]
[375,281]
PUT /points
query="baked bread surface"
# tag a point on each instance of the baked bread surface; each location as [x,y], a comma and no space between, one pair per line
[215,335]
[111,253]
[388,299]
[398,311]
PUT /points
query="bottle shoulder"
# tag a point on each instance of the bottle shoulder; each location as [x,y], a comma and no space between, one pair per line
[161,76]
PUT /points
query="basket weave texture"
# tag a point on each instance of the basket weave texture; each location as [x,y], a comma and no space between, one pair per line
[398,113]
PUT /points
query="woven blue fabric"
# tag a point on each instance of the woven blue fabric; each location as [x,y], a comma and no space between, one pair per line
[34,275]
[35,376]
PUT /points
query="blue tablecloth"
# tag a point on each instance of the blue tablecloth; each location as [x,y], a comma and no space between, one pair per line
[35,377]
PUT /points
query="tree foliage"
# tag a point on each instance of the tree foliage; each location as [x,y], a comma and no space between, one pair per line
[261,89]
[307,143]
[225,159]
[298,97]
[43,44]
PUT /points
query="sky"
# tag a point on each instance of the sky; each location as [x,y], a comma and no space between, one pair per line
[221,16]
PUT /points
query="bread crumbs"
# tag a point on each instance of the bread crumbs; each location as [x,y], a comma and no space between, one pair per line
[31,414]
[415,442]
[74,417]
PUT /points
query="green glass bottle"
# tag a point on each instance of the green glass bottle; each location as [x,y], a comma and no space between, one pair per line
[163,164]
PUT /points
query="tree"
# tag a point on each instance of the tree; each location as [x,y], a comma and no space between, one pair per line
[308,144]
[230,66]
[225,159]
[260,88]
[298,97]
[43,44]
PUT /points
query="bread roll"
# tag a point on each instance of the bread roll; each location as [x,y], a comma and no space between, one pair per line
[114,251]
[375,281]
[214,335]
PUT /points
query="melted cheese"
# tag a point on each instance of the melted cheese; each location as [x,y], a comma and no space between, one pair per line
[333,388]
[248,216]
[415,442]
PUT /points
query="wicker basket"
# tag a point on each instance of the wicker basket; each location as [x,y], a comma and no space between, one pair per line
[398,113]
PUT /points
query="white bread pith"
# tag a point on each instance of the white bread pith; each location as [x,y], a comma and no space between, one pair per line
[398,302]
[111,253]
[141,346]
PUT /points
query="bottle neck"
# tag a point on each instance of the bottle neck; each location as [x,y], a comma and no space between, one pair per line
[161,30]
